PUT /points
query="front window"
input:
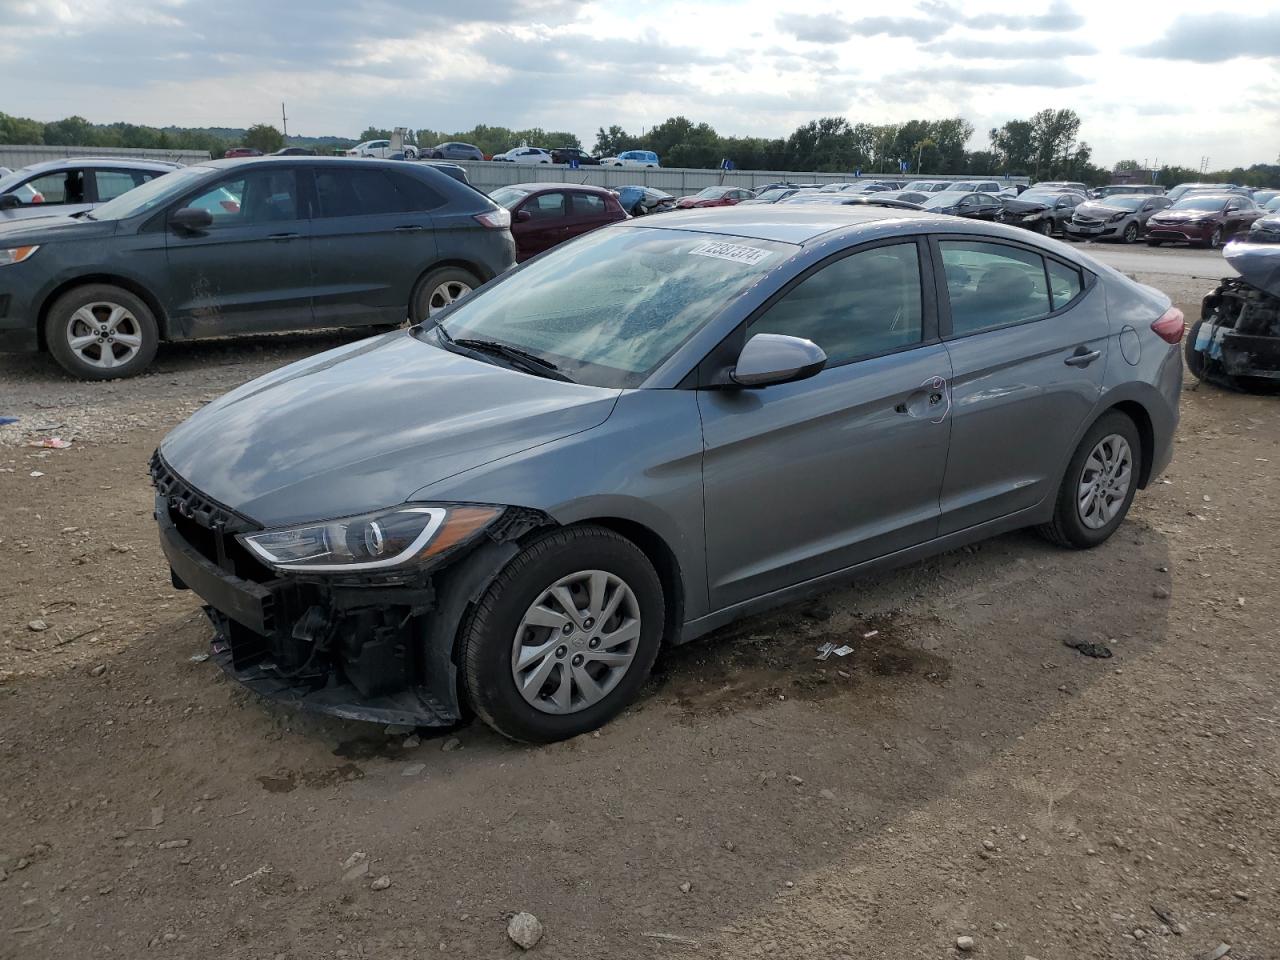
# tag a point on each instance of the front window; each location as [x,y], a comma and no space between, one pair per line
[948,198]
[62,187]
[609,308]
[262,196]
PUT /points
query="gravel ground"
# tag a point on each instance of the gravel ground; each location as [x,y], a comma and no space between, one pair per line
[963,773]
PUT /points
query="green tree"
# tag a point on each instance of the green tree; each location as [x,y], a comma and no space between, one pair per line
[264,137]
[1014,146]
[71,132]
[20,130]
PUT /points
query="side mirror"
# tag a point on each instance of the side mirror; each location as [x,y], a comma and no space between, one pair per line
[9,201]
[523,216]
[190,219]
[770,358]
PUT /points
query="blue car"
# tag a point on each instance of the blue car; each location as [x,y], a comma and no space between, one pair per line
[632,158]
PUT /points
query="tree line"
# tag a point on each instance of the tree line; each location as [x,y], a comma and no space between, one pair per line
[1044,146]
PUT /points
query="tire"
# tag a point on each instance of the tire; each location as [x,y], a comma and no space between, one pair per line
[1215,239]
[1130,234]
[1069,528]
[1195,359]
[438,288]
[89,324]
[497,624]
[1045,227]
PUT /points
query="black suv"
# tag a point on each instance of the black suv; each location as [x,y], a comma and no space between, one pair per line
[245,246]
[569,154]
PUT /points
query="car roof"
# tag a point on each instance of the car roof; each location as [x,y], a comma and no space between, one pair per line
[126,163]
[785,223]
[553,185]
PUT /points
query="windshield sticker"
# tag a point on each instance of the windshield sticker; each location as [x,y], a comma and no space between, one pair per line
[731,251]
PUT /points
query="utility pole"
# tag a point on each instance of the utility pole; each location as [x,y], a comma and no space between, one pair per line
[284,121]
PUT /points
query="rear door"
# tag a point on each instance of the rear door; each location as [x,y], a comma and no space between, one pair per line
[1027,336]
[372,240]
[586,212]
[249,271]
[807,478]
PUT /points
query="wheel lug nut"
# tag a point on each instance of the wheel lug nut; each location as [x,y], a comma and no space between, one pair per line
[578,660]
[595,642]
[567,629]
[588,623]
[561,651]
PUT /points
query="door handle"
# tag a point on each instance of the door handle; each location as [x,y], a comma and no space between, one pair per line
[1082,357]
[930,401]
[281,237]
[410,228]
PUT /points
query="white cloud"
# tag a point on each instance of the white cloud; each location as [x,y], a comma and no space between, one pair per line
[580,64]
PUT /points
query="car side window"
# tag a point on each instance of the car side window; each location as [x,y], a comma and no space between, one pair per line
[65,186]
[263,196]
[1065,283]
[587,205]
[353,193]
[863,304]
[112,183]
[545,206]
[415,194]
[992,285]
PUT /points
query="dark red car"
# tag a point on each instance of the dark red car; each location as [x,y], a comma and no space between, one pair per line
[1202,220]
[242,152]
[545,214]
[715,197]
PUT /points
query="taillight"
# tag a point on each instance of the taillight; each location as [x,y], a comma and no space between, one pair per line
[1170,326]
[499,219]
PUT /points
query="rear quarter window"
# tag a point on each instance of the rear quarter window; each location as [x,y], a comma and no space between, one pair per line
[1065,283]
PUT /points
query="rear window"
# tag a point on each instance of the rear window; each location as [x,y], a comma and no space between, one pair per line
[1065,283]
[992,285]
[588,205]
[353,193]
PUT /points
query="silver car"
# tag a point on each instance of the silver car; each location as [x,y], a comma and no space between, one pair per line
[1115,217]
[647,433]
[62,188]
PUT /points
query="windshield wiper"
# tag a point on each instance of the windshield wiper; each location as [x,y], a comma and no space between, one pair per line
[521,358]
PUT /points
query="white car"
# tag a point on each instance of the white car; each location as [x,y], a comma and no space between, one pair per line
[381,149]
[524,155]
[632,158]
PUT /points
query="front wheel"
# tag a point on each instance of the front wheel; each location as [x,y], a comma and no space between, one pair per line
[1099,484]
[1045,227]
[101,332]
[564,638]
[1195,359]
[1130,234]
[437,289]
[1215,238]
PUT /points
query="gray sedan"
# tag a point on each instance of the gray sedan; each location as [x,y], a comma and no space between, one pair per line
[647,433]
[1116,217]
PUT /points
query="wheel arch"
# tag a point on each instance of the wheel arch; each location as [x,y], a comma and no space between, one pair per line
[664,561]
[1141,418]
[125,283]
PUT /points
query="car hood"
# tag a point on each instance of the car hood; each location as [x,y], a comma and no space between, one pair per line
[1258,263]
[366,425]
[36,230]
[1013,205]
[1100,209]
[1182,216]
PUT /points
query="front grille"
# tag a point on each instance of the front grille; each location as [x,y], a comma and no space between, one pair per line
[1085,222]
[208,526]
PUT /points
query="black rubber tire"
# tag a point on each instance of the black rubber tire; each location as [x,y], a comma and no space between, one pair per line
[419,300]
[1195,359]
[1215,239]
[1131,232]
[55,331]
[484,653]
[1066,528]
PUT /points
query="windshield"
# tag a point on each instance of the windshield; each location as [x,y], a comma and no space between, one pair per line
[1200,202]
[1125,203]
[609,308]
[711,193]
[8,180]
[773,194]
[1273,204]
[944,198]
[1040,196]
[508,196]
[152,194]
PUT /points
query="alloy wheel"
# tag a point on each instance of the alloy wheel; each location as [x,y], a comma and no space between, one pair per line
[104,334]
[1131,233]
[1104,481]
[576,642]
[1215,240]
[445,294]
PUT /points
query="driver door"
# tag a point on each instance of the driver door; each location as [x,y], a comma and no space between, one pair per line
[807,478]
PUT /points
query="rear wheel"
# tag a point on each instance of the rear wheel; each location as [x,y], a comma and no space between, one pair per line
[1099,484]
[101,332]
[437,289]
[564,638]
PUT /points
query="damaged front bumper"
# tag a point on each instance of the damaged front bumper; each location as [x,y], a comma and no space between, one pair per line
[374,646]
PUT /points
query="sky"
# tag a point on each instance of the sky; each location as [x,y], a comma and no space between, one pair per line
[1158,82]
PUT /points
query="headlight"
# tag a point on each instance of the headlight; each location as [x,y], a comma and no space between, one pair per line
[1116,218]
[1030,216]
[373,541]
[16,254]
